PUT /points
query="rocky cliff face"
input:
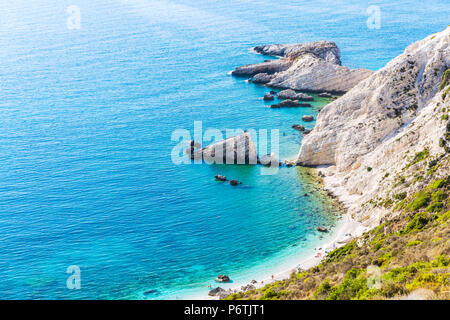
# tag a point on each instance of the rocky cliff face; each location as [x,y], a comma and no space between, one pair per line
[314,67]
[384,136]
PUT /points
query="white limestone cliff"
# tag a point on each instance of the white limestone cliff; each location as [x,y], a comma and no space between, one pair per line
[366,141]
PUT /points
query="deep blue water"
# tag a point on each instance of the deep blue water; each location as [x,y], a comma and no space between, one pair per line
[86,118]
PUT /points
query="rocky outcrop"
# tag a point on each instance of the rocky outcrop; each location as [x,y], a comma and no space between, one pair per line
[268,97]
[314,67]
[369,138]
[216,292]
[261,78]
[288,103]
[298,127]
[239,149]
[292,95]
[269,67]
[269,160]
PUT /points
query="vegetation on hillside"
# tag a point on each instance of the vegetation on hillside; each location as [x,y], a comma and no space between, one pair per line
[410,251]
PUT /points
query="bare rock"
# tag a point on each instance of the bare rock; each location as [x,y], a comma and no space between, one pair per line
[268,97]
[286,104]
[239,149]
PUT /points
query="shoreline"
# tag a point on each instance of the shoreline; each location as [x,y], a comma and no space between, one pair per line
[347,231]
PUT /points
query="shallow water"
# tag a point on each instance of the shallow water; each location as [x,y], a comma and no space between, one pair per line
[86,120]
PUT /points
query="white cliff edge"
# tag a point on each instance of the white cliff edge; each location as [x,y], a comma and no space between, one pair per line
[366,142]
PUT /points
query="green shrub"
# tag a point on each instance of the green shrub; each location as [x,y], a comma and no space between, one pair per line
[354,286]
[417,223]
[269,294]
[445,79]
[323,290]
[341,252]
[437,184]
[400,196]
[414,243]
[444,217]
[435,207]
[421,200]
[369,169]
[420,156]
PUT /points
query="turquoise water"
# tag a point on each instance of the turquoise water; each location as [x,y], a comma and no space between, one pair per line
[86,119]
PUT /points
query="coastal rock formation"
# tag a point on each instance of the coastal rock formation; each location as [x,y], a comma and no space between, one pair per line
[298,127]
[286,104]
[239,149]
[314,67]
[269,160]
[374,138]
[216,292]
[220,178]
[222,278]
[261,78]
[292,95]
[287,94]
[307,118]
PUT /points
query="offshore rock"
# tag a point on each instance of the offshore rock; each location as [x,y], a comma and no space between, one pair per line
[239,149]
[314,67]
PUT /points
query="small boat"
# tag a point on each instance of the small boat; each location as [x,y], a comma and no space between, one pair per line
[322,229]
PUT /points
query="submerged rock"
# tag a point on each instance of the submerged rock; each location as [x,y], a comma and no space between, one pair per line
[325,95]
[220,178]
[151,291]
[298,127]
[235,182]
